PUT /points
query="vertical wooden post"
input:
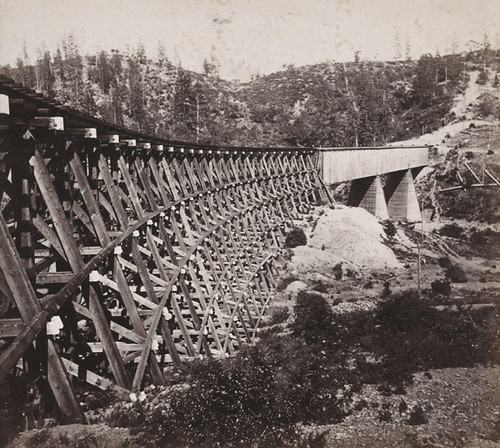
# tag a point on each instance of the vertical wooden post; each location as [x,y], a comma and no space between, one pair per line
[29,308]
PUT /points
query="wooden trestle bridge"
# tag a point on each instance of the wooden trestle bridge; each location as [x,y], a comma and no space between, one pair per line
[121,253]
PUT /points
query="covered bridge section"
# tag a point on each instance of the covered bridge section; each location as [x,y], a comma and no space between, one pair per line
[382,177]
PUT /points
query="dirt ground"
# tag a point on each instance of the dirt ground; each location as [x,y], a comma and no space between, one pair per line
[461,408]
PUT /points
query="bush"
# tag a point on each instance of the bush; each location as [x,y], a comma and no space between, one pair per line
[279,315]
[224,404]
[389,228]
[488,105]
[452,230]
[313,318]
[415,336]
[482,79]
[456,274]
[444,262]
[418,417]
[386,292]
[258,397]
[441,287]
[486,241]
[319,286]
[126,415]
[296,237]
[385,416]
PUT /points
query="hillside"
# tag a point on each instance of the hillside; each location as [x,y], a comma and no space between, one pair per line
[327,104]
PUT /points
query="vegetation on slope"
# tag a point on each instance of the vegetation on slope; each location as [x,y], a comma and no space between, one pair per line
[310,375]
[328,104]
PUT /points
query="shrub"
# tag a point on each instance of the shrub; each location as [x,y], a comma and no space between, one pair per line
[386,292]
[389,228]
[444,262]
[224,403]
[126,415]
[319,286]
[279,315]
[253,400]
[400,312]
[482,79]
[39,437]
[415,336]
[385,416]
[313,318]
[296,237]
[258,397]
[451,230]
[441,287]
[95,398]
[488,105]
[417,417]
[456,274]
[487,241]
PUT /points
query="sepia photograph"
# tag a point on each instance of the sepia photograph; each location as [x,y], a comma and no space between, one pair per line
[249,223]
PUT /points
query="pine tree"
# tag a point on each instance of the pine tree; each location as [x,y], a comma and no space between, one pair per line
[46,75]
[408,51]
[105,71]
[162,55]
[72,92]
[397,48]
[136,104]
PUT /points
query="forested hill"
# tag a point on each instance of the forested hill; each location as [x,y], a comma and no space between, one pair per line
[328,104]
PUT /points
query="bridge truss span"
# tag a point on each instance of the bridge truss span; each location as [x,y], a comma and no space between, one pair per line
[122,254]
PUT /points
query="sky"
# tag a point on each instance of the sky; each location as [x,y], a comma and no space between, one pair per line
[250,36]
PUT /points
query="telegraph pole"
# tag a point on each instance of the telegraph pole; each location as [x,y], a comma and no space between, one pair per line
[419,246]
[197,118]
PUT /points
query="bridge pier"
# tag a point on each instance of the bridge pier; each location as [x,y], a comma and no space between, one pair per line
[397,199]
[369,194]
[402,201]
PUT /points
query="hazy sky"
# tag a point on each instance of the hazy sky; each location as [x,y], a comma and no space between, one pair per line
[250,36]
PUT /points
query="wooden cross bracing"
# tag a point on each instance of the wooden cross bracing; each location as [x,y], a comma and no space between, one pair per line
[148,258]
